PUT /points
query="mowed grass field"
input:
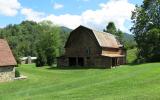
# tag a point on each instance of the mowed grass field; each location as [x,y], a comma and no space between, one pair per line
[127,82]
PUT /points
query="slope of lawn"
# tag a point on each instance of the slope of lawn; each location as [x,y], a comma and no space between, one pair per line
[128,82]
[131,55]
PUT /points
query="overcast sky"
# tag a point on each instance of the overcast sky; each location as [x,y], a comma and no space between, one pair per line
[70,13]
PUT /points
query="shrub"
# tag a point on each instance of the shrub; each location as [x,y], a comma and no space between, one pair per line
[17,73]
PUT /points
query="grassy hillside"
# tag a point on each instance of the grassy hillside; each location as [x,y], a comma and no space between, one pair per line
[140,82]
[131,55]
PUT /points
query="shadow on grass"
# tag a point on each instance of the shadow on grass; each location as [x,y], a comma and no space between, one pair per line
[75,68]
[93,67]
[133,64]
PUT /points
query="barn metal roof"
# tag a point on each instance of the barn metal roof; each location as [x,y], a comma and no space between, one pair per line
[6,56]
[106,39]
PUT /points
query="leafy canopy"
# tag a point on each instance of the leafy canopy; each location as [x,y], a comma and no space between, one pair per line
[43,40]
[146,28]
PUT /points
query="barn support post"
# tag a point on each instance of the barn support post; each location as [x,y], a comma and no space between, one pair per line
[111,62]
[76,61]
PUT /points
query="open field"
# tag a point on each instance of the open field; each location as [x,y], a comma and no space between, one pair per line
[128,82]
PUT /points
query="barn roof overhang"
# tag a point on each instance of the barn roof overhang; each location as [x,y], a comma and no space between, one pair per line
[112,55]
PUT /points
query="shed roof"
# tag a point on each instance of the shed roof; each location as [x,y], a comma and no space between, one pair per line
[25,58]
[6,56]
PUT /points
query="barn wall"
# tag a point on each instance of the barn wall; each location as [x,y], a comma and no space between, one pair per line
[7,73]
[123,59]
[111,51]
[103,62]
[120,51]
[62,62]
[98,62]
[82,44]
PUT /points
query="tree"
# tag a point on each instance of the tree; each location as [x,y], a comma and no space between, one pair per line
[120,35]
[48,46]
[146,28]
[111,28]
[41,58]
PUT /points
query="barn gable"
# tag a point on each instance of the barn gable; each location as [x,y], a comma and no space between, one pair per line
[76,34]
[82,42]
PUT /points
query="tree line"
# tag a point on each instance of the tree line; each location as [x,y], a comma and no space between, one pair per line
[43,40]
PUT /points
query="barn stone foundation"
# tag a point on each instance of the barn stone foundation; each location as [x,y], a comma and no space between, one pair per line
[7,73]
[97,62]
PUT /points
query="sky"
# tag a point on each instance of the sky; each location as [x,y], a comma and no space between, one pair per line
[94,14]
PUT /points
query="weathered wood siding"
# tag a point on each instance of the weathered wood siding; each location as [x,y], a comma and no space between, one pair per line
[120,51]
[62,61]
[111,51]
[82,44]
[103,62]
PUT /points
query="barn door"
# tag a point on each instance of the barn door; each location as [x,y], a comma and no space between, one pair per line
[114,61]
[72,61]
[80,61]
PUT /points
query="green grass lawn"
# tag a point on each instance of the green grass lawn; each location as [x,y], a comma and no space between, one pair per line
[128,82]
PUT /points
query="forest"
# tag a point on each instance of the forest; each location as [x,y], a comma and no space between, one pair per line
[43,40]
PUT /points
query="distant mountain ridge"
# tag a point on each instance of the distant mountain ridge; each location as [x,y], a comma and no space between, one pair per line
[65,29]
[129,37]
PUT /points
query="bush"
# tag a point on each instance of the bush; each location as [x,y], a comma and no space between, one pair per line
[17,73]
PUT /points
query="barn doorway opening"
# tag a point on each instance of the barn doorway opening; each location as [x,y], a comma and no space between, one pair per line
[114,61]
[80,61]
[72,61]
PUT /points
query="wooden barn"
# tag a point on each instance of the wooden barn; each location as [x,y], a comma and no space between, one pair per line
[89,48]
[7,62]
